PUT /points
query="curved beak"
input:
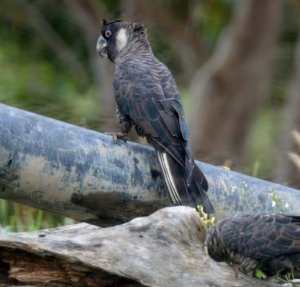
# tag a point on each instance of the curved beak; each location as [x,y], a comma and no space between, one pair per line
[102,46]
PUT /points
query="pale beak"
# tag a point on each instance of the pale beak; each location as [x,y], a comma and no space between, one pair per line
[102,46]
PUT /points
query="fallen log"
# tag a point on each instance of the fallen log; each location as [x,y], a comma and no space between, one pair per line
[163,249]
[85,175]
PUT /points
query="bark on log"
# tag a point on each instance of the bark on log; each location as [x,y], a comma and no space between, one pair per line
[84,175]
[164,249]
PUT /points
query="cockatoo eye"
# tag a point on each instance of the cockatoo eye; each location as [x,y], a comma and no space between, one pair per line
[107,33]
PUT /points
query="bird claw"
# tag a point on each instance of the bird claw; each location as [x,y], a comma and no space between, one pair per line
[118,136]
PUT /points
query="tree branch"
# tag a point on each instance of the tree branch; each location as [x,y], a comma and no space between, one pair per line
[164,249]
[38,23]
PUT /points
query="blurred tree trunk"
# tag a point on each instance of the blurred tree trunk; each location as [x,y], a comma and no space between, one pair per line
[88,14]
[227,91]
[286,171]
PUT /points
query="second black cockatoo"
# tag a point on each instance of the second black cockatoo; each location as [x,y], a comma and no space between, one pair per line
[267,242]
[147,98]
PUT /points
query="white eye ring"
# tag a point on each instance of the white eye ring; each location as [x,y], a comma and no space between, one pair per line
[107,33]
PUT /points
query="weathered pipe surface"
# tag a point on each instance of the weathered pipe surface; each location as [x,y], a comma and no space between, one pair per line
[83,174]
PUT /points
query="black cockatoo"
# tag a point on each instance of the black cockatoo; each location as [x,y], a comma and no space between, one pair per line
[268,242]
[147,98]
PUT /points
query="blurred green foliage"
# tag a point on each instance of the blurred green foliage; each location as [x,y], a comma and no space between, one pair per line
[16,217]
[212,16]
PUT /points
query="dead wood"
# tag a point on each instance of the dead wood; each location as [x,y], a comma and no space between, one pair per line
[163,249]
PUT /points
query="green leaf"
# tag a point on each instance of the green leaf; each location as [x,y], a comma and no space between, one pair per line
[259,274]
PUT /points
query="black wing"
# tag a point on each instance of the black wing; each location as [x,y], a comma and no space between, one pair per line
[147,93]
[262,236]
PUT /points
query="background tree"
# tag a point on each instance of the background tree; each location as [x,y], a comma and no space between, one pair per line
[286,170]
[228,90]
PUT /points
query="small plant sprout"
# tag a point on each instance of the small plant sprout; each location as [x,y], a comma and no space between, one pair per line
[286,278]
[260,274]
[206,218]
[276,201]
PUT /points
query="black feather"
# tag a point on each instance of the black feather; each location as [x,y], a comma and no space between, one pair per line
[105,22]
[147,96]
[270,242]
